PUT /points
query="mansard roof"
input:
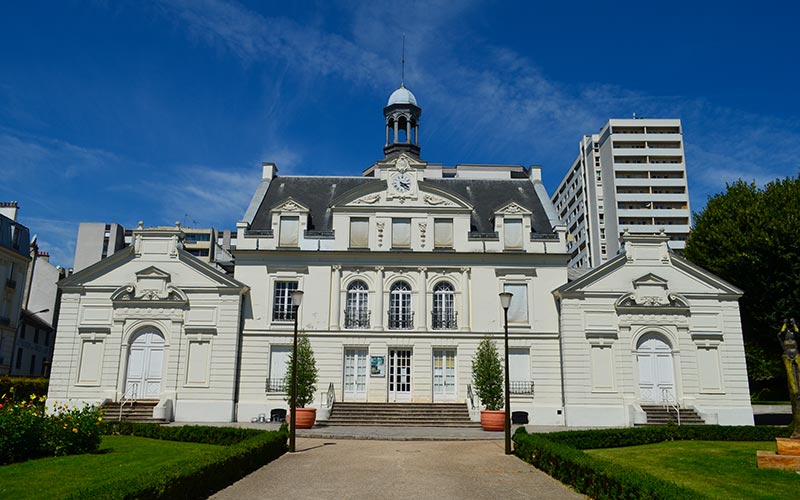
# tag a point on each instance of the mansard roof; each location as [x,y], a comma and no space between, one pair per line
[485,195]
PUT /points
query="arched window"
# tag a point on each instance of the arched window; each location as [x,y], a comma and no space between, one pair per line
[356,313]
[443,315]
[401,317]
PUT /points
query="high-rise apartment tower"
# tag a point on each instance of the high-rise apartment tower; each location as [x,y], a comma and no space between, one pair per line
[630,176]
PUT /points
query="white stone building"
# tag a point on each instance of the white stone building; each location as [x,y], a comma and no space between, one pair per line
[401,270]
[631,175]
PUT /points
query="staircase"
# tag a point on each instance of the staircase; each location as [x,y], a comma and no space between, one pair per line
[401,415]
[660,415]
[138,411]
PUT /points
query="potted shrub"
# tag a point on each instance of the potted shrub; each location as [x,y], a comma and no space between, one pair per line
[487,378]
[306,383]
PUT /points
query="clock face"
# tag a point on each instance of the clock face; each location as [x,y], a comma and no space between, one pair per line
[402,183]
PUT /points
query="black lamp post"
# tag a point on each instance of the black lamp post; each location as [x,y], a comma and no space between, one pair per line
[297,298]
[505,302]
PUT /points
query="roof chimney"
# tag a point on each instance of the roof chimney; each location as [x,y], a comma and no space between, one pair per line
[9,209]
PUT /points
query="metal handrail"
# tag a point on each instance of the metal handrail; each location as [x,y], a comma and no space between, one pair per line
[401,321]
[356,318]
[331,396]
[523,387]
[277,385]
[470,397]
[129,397]
[444,319]
[669,402]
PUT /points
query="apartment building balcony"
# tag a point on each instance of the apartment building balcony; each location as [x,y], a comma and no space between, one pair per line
[644,137]
[653,228]
[356,319]
[635,182]
[653,212]
[652,197]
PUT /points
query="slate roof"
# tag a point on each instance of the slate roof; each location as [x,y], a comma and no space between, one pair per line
[486,196]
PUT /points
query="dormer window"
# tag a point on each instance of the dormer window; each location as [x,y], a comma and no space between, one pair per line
[289,231]
[512,234]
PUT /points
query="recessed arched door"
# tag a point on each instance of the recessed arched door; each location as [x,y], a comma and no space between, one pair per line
[145,365]
[656,369]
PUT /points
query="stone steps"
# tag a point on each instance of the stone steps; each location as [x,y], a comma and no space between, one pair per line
[658,415]
[400,415]
[139,411]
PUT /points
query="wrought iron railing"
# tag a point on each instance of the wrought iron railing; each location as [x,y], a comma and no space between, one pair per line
[130,397]
[669,402]
[277,384]
[471,397]
[281,314]
[444,320]
[401,321]
[523,387]
[330,396]
[356,318]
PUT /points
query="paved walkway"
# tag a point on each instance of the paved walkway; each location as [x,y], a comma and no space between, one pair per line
[370,469]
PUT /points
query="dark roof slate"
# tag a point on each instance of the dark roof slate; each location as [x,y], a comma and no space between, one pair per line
[485,196]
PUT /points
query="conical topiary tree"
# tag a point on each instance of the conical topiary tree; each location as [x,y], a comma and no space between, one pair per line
[306,373]
[487,375]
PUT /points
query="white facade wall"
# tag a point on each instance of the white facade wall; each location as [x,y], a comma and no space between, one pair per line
[647,291]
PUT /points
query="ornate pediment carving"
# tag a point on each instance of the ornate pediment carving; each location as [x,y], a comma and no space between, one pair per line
[290,205]
[512,209]
[152,285]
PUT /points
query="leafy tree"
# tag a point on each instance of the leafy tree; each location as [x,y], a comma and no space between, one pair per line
[306,373]
[487,375]
[750,237]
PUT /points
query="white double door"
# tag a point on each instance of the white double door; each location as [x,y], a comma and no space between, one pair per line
[355,375]
[145,365]
[399,375]
[444,375]
[656,371]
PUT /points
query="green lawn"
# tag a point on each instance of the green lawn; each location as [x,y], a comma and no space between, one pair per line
[722,469]
[57,477]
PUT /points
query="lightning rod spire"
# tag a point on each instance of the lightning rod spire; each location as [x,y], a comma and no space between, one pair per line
[403,64]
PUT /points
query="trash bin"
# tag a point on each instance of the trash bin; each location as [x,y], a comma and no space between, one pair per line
[277,415]
[519,417]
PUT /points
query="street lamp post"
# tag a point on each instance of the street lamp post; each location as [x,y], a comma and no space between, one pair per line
[297,298]
[505,302]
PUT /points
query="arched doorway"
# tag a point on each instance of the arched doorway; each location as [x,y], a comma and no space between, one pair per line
[656,370]
[145,361]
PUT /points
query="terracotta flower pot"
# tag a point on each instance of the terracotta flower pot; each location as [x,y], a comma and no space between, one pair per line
[305,418]
[493,420]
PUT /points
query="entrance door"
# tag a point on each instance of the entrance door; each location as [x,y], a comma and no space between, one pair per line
[444,375]
[656,374]
[145,362]
[355,375]
[400,375]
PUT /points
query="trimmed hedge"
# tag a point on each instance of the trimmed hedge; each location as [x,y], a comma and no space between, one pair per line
[559,455]
[23,387]
[247,450]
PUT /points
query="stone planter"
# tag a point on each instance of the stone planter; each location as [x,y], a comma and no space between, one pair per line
[493,420]
[305,418]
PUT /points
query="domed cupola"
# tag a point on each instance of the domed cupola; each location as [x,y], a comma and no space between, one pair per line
[402,123]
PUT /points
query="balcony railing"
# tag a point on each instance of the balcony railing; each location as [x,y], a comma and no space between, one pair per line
[356,318]
[277,384]
[444,320]
[401,321]
[523,387]
[283,314]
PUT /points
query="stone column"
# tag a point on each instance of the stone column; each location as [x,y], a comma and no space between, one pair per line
[377,311]
[387,134]
[464,320]
[336,287]
[408,131]
[422,318]
[396,131]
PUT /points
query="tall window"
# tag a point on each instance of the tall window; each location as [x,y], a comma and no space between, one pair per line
[356,313]
[518,310]
[282,309]
[401,233]
[512,233]
[278,367]
[443,233]
[289,229]
[359,232]
[401,317]
[444,310]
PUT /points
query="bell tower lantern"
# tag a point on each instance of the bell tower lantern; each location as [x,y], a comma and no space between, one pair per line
[402,123]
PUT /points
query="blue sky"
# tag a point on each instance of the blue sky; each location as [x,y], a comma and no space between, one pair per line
[160,111]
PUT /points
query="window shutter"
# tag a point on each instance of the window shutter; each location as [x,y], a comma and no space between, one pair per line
[290,226]
[401,233]
[443,233]
[359,233]
[518,310]
[513,233]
